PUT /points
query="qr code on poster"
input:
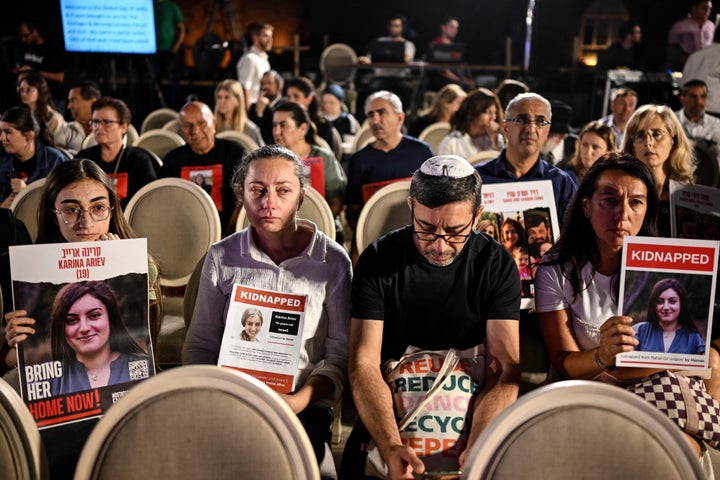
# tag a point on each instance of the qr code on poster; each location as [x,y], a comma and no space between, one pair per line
[138,369]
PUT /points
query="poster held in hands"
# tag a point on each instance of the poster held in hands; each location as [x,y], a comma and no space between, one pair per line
[531,205]
[263,335]
[92,342]
[667,286]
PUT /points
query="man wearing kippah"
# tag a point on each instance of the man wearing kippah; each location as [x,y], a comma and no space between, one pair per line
[434,284]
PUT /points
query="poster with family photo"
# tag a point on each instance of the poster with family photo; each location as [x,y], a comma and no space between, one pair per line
[263,335]
[667,286]
[92,334]
[521,216]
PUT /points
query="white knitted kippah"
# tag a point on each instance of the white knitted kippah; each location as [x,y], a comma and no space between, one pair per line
[452,166]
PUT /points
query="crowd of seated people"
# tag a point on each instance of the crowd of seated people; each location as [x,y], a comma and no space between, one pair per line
[363,305]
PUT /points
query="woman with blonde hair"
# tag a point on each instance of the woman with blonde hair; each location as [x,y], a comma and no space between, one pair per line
[593,141]
[654,135]
[446,103]
[231,112]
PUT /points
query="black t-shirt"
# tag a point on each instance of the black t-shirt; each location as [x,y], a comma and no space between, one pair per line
[434,307]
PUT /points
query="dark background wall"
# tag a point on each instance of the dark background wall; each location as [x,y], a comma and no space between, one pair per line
[484,27]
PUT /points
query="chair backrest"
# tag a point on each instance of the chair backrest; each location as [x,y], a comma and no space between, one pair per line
[338,64]
[180,222]
[385,211]
[338,144]
[322,143]
[483,156]
[240,137]
[581,429]
[199,421]
[88,141]
[158,118]
[26,204]
[314,208]
[433,134]
[21,450]
[131,136]
[160,142]
[363,137]
[173,126]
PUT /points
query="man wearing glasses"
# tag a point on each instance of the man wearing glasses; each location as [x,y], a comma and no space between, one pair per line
[526,127]
[434,284]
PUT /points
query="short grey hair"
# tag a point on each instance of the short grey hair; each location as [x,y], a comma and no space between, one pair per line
[393,99]
[527,97]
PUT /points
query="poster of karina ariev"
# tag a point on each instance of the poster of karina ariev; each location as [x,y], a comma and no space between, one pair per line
[91,343]
[667,287]
[263,335]
[521,216]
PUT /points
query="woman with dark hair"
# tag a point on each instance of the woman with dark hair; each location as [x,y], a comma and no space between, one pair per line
[35,94]
[231,113]
[669,327]
[251,321]
[512,234]
[593,141]
[25,157]
[79,204]
[577,282]
[130,168]
[301,90]
[475,126]
[91,340]
[293,129]
[280,252]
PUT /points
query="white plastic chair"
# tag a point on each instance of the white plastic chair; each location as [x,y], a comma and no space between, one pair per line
[385,211]
[581,429]
[180,222]
[199,421]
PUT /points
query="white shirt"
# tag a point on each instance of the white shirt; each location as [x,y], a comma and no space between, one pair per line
[595,303]
[707,128]
[250,69]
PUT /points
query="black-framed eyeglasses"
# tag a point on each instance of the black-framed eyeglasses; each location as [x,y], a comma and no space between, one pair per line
[455,238]
[526,121]
[72,215]
[657,135]
[95,122]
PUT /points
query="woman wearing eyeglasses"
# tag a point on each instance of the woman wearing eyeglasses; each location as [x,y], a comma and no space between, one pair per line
[79,204]
[129,167]
[655,136]
[25,158]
